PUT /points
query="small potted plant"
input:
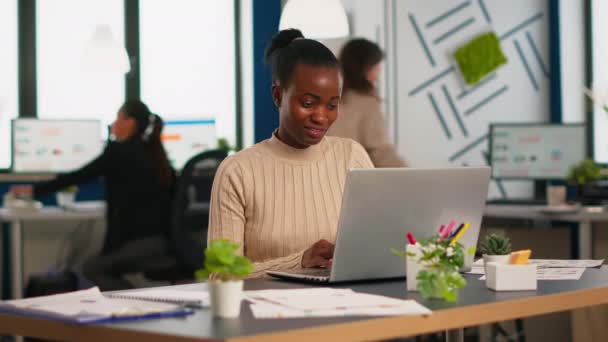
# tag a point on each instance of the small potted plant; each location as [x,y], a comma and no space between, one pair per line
[440,261]
[224,271]
[495,248]
[67,196]
[224,145]
[580,176]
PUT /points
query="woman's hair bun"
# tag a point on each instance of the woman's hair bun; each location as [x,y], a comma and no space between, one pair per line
[280,40]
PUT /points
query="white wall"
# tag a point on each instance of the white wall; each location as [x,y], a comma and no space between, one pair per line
[600,77]
[247,63]
[413,122]
[572,38]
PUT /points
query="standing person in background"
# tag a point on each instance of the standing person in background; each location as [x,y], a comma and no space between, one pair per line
[139,184]
[361,118]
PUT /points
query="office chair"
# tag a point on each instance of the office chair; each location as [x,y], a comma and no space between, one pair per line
[190,217]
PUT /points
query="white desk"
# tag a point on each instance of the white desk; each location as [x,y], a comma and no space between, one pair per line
[584,218]
[16,220]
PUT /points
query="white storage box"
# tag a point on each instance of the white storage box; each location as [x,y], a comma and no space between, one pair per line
[501,277]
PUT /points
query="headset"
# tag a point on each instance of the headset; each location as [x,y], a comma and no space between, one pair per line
[150,128]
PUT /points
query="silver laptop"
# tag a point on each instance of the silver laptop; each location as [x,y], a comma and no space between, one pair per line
[380,206]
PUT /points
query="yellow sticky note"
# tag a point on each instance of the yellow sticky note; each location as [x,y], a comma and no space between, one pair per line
[520,257]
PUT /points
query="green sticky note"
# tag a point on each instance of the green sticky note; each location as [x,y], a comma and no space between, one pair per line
[479,57]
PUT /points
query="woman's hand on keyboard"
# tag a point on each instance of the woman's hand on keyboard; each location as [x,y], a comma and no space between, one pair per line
[318,255]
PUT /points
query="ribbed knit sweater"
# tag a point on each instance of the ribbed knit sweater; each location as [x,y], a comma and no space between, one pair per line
[275,201]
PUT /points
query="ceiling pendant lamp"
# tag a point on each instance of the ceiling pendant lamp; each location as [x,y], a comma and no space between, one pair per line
[317,19]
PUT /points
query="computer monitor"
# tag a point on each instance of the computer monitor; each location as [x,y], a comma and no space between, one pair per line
[536,151]
[183,139]
[54,146]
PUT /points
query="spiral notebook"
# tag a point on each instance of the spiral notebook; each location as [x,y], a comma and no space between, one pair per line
[89,306]
[183,297]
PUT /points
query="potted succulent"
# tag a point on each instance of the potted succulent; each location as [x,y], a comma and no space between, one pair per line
[224,271]
[495,248]
[438,263]
[66,196]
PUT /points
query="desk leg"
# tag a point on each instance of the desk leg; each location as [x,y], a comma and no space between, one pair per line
[456,335]
[585,240]
[16,260]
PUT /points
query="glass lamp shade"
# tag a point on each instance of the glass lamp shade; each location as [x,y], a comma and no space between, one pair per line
[103,53]
[317,19]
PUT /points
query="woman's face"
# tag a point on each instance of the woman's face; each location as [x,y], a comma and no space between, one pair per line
[123,127]
[309,106]
[373,74]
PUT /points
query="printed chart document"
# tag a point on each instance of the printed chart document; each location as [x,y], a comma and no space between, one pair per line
[328,302]
[550,269]
[553,263]
[573,273]
[560,263]
[89,306]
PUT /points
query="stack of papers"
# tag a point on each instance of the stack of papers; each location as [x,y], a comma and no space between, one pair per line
[328,302]
[86,206]
[88,306]
[551,269]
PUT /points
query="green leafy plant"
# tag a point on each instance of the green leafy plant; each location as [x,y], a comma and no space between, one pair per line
[222,263]
[440,277]
[479,57]
[70,189]
[224,145]
[495,244]
[585,172]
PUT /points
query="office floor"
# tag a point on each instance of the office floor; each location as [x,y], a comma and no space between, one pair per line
[65,245]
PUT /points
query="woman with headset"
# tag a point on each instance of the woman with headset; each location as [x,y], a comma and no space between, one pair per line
[139,184]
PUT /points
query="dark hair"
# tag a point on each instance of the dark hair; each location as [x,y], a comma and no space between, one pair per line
[149,129]
[357,57]
[288,48]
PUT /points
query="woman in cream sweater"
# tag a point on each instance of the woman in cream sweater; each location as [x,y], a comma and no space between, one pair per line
[280,199]
[361,118]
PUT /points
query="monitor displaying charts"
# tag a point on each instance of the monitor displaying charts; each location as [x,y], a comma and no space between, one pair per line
[536,151]
[54,146]
[185,138]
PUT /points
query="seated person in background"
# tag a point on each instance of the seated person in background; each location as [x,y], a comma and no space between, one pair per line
[138,188]
[280,199]
[361,118]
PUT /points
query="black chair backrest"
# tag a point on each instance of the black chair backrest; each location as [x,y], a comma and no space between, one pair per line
[190,212]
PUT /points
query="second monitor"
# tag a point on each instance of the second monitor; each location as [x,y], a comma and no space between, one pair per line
[536,151]
[183,139]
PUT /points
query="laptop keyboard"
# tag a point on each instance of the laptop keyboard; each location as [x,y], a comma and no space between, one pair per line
[322,272]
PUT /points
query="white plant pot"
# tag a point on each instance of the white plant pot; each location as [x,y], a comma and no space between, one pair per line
[412,266]
[499,259]
[225,297]
[64,199]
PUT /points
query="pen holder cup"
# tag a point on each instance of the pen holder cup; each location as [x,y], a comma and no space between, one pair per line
[412,266]
[505,277]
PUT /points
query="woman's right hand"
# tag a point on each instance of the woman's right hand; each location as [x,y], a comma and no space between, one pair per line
[319,254]
[22,191]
